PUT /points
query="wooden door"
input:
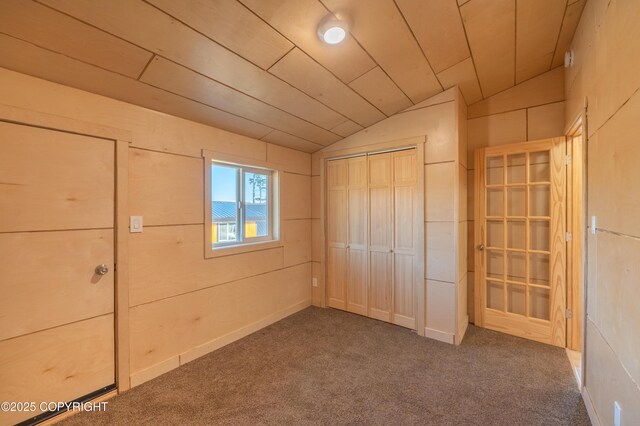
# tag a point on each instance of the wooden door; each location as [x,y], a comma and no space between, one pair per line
[404,238]
[337,232]
[56,226]
[520,240]
[380,236]
[357,293]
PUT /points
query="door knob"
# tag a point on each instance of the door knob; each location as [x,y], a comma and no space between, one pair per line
[101,269]
[481,247]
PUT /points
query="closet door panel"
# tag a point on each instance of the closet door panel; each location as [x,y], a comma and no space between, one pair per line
[404,242]
[357,282]
[337,277]
[357,245]
[380,236]
[404,290]
[337,233]
[380,276]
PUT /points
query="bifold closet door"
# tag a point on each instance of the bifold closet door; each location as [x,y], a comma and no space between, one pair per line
[404,239]
[380,236]
[357,232]
[372,244]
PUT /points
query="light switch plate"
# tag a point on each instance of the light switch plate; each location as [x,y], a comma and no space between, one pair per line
[314,282]
[617,414]
[593,227]
[135,224]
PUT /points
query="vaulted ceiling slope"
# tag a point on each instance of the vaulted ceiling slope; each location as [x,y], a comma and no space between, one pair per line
[258,68]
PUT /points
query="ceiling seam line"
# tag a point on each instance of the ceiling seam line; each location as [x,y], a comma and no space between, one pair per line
[424,54]
[473,61]
[555,49]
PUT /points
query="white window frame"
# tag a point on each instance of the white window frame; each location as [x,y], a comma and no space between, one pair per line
[272,239]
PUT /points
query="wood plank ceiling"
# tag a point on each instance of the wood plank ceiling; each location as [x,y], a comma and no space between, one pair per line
[258,68]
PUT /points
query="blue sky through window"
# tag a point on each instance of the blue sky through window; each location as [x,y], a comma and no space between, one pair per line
[223,183]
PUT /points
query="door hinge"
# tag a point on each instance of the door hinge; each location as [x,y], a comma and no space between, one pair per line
[568,160]
[568,313]
[568,236]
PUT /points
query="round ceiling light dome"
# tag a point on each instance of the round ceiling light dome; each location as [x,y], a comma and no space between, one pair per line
[332,30]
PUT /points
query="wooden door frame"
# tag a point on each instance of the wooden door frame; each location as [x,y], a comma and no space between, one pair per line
[579,127]
[417,143]
[479,197]
[122,140]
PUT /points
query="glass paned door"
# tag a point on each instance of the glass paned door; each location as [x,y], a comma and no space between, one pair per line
[520,239]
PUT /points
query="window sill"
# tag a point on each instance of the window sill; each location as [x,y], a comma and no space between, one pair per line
[242,248]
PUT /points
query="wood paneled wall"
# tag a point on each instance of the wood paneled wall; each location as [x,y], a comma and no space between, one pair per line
[181,304]
[531,110]
[606,75]
[441,120]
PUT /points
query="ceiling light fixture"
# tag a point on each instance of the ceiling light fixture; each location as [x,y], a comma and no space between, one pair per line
[332,30]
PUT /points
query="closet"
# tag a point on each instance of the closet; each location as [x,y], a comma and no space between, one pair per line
[372,248]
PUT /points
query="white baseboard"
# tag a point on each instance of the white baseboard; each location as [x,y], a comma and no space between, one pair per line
[439,335]
[156,370]
[590,410]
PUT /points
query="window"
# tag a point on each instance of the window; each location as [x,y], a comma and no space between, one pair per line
[242,205]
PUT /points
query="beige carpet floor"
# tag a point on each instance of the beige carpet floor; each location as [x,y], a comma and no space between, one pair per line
[322,366]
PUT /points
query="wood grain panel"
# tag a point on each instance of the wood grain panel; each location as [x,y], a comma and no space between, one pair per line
[380,236]
[347,128]
[170,327]
[404,290]
[289,160]
[544,89]
[59,364]
[53,180]
[337,217]
[380,276]
[165,189]
[538,26]
[376,87]
[546,121]
[49,29]
[337,232]
[276,137]
[439,192]
[337,276]
[167,260]
[297,20]
[30,59]
[302,72]
[558,260]
[438,28]
[296,235]
[357,287]
[357,282]
[171,39]
[290,141]
[490,26]
[569,24]
[295,198]
[235,28]
[177,79]
[380,217]
[404,218]
[400,56]
[60,268]
[463,75]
